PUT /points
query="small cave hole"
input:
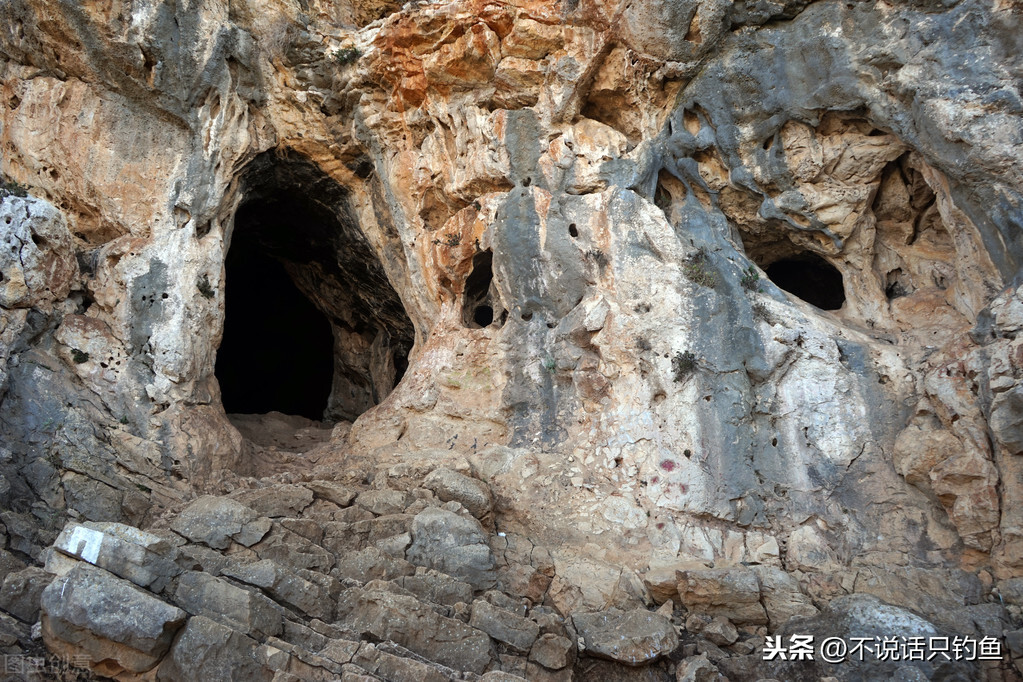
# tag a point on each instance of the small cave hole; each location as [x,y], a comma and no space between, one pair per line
[573,232]
[811,278]
[479,295]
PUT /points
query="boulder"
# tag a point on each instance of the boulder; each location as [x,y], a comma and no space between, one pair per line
[22,591]
[698,669]
[216,521]
[291,549]
[730,592]
[781,596]
[285,586]
[552,651]
[720,631]
[452,544]
[390,667]
[277,501]
[37,254]
[382,502]
[407,621]
[504,626]
[866,616]
[143,558]
[373,564]
[91,612]
[471,493]
[208,650]
[247,611]
[332,492]
[436,587]
[633,638]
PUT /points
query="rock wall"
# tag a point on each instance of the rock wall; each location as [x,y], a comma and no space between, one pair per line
[688,285]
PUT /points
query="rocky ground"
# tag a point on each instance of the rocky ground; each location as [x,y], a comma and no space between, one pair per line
[403,577]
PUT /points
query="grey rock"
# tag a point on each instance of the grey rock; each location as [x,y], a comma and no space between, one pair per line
[208,650]
[276,501]
[501,676]
[436,587]
[634,637]
[698,669]
[382,502]
[454,545]
[9,563]
[91,612]
[22,591]
[285,586]
[332,492]
[291,549]
[216,521]
[730,592]
[862,615]
[720,631]
[414,625]
[373,564]
[781,596]
[1011,591]
[390,667]
[143,558]
[471,493]
[552,651]
[37,255]
[247,611]
[504,626]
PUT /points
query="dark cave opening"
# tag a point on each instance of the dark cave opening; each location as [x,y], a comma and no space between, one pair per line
[277,352]
[313,326]
[478,298]
[811,278]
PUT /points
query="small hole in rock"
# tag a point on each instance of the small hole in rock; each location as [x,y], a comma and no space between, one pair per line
[483,316]
[572,231]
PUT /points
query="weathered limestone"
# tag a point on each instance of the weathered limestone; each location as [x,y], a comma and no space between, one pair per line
[406,621]
[452,544]
[121,628]
[143,558]
[216,521]
[634,637]
[733,593]
[247,611]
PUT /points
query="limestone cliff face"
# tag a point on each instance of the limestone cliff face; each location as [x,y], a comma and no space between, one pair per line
[699,282]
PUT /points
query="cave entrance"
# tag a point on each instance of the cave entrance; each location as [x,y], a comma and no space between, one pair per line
[811,278]
[312,324]
[277,353]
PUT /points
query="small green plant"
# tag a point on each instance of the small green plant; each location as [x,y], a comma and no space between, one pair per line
[142,488]
[124,420]
[11,188]
[550,365]
[346,55]
[453,239]
[79,356]
[683,364]
[697,270]
[750,279]
[203,285]
[760,310]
